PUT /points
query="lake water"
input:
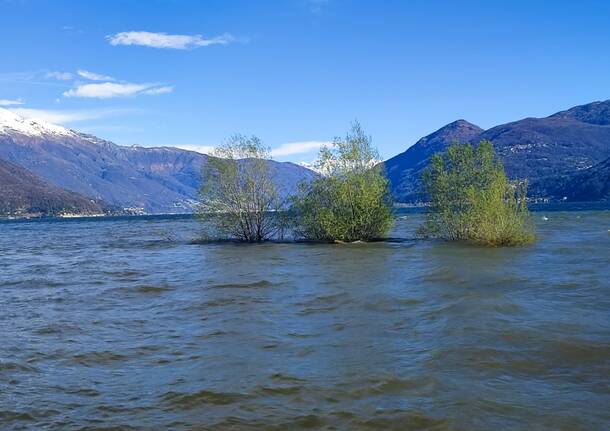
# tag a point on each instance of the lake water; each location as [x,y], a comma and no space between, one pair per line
[125,324]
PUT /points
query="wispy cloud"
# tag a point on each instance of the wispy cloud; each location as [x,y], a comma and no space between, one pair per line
[10,102]
[164,89]
[107,90]
[60,76]
[66,116]
[167,41]
[283,150]
[70,29]
[103,87]
[91,76]
[293,148]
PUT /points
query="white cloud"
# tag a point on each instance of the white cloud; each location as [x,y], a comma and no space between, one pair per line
[60,76]
[63,116]
[281,151]
[203,149]
[159,90]
[108,90]
[10,102]
[167,41]
[292,148]
[93,76]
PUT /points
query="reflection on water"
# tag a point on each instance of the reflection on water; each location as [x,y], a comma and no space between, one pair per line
[125,324]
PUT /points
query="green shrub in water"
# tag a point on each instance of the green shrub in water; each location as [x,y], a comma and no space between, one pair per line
[472,199]
[350,201]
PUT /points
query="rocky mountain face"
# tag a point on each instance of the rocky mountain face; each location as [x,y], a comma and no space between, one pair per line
[158,180]
[546,151]
[22,193]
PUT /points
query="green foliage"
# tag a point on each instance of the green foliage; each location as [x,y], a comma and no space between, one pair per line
[351,200]
[472,199]
[238,195]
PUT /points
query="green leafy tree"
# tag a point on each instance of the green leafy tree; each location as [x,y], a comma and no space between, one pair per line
[350,201]
[472,199]
[239,198]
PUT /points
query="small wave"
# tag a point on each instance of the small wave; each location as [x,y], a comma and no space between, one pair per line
[111,428]
[152,289]
[444,275]
[308,421]
[191,400]
[105,408]
[327,298]
[284,378]
[56,328]
[254,285]
[314,310]
[33,415]
[129,274]
[85,392]
[408,421]
[221,302]
[98,358]
[217,333]
[409,301]
[161,243]
[32,283]
[302,335]
[144,289]
[579,352]
[11,416]
[13,366]
[393,385]
[279,390]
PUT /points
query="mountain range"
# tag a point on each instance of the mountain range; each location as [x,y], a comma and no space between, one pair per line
[153,180]
[558,154]
[47,169]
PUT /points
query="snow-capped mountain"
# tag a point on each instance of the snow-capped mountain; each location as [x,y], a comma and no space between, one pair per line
[157,180]
[14,123]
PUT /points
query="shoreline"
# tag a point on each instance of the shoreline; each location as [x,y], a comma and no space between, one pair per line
[534,207]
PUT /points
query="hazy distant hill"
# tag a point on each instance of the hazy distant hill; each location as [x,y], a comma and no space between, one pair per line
[544,150]
[22,193]
[157,179]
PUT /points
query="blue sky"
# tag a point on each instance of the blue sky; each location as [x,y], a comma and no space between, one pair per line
[296,72]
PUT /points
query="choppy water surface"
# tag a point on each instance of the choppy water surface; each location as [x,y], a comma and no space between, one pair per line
[124,324]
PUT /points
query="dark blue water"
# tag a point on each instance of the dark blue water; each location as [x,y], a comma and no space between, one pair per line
[126,324]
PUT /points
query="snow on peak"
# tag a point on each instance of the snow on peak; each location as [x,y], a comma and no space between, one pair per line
[11,122]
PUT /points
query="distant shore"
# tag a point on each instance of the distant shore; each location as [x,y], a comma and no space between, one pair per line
[400,208]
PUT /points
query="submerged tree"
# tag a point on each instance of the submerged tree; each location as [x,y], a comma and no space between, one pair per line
[350,201]
[238,194]
[472,199]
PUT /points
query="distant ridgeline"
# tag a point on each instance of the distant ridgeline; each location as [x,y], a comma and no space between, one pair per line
[566,155]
